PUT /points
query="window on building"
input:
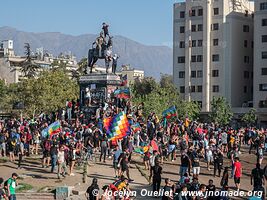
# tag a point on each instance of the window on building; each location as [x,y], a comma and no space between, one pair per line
[193,74]
[194,43]
[181,74]
[193,28]
[199,27]
[246,59]
[215,73]
[263,6]
[245,43]
[199,43]
[264,38]
[182,44]
[182,29]
[215,57]
[215,88]
[193,88]
[264,22]
[200,12]
[199,58]
[215,27]
[215,42]
[199,103]
[246,74]
[182,14]
[263,71]
[199,88]
[216,11]
[264,55]
[245,89]
[246,28]
[193,58]
[199,74]
[263,87]
[182,89]
[181,59]
[263,104]
[192,13]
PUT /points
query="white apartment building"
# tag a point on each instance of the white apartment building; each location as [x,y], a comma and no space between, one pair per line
[213,51]
[260,61]
[6,48]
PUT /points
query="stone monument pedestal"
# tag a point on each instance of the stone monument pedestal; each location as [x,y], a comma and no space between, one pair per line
[95,88]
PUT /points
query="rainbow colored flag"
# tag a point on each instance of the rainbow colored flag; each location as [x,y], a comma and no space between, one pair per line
[119,127]
[107,123]
[142,150]
[51,130]
[136,127]
[170,112]
[122,93]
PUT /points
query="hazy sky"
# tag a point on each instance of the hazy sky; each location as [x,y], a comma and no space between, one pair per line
[146,21]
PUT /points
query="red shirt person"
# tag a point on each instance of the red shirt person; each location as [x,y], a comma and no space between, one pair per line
[237,172]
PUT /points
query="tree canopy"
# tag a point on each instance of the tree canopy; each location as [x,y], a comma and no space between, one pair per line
[46,94]
[158,97]
[250,118]
[220,111]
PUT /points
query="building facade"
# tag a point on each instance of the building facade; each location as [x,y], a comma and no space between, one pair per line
[260,61]
[132,74]
[10,64]
[213,51]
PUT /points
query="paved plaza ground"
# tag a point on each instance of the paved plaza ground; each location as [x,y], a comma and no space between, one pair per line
[41,179]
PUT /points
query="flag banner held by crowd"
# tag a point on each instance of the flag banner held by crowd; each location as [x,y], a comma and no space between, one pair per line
[136,127]
[51,130]
[142,150]
[170,112]
[107,123]
[124,80]
[122,93]
[119,127]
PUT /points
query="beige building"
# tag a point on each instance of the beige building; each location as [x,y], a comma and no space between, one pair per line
[260,59]
[10,70]
[213,51]
[132,74]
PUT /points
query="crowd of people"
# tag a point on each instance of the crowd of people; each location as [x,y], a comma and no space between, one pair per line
[193,142]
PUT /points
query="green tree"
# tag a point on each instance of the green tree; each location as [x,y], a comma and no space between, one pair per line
[82,65]
[158,97]
[28,67]
[166,81]
[220,111]
[250,118]
[190,109]
[144,87]
[47,93]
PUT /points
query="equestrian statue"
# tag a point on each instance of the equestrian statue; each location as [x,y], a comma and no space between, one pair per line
[102,49]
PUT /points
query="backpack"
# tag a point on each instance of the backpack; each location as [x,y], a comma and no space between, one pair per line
[69,104]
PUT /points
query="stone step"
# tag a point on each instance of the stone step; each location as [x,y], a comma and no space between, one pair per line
[32,195]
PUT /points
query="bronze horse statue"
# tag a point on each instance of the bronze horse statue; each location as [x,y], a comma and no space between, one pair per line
[94,55]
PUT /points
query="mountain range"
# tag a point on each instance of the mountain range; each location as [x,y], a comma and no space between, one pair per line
[154,60]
